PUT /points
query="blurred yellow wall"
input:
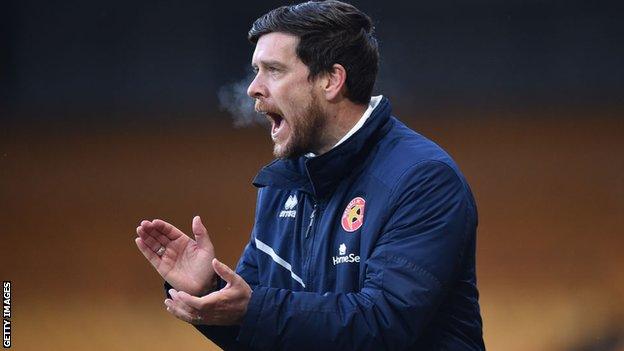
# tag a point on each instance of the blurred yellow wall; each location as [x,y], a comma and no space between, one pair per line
[550,191]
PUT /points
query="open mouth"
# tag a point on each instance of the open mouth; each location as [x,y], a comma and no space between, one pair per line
[277,121]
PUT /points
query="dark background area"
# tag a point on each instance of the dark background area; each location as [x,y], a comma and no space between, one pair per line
[109,113]
[101,59]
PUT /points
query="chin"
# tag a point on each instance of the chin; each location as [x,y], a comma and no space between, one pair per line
[285,151]
[280,151]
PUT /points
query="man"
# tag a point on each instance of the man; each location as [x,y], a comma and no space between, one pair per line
[364,235]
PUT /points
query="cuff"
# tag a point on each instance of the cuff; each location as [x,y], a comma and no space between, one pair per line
[167,287]
[220,283]
[252,316]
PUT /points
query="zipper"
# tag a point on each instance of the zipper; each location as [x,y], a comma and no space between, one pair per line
[311,221]
[308,249]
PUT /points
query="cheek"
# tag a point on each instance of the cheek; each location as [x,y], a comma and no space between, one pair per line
[283,89]
[292,97]
[294,108]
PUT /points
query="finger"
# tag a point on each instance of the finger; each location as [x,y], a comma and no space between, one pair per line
[151,256]
[197,303]
[181,304]
[224,271]
[148,239]
[178,312]
[152,231]
[167,229]
[201,234]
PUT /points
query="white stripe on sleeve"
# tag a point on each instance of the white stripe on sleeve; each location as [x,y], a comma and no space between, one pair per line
[269,251]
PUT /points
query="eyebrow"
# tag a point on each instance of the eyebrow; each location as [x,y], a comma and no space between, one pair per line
[269,63]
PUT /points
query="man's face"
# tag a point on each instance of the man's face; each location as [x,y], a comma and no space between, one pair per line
[285,95]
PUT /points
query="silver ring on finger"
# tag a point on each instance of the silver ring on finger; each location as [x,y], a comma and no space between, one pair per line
[161,251]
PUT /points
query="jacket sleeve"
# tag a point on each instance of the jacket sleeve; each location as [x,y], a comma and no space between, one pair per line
[226,337]
[415,259]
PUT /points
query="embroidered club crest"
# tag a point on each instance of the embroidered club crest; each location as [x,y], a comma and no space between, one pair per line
[353,215]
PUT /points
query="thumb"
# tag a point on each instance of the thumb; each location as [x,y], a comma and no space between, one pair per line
[225,272]
[201,234]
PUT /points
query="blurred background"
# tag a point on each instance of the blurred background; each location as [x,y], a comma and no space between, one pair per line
[115,111]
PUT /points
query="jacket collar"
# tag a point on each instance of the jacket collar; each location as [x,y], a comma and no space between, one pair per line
[320,175]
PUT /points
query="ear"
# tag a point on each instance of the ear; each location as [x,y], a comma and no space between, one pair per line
[335,82]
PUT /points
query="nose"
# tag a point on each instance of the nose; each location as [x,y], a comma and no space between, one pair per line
[256,88]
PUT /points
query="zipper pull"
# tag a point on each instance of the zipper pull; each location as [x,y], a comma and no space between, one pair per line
[311,221]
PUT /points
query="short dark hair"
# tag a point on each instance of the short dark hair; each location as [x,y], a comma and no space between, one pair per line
[329,32]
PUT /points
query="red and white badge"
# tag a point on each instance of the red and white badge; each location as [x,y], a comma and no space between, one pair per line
[353,215]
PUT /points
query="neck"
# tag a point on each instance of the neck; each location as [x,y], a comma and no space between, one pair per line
[341,117]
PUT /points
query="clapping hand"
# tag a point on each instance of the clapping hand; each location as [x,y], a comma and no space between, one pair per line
[184,263]
[223,307]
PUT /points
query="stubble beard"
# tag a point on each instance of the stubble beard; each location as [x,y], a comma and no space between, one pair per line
[306,132]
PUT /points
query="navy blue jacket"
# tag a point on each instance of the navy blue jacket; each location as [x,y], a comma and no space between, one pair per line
[370,246]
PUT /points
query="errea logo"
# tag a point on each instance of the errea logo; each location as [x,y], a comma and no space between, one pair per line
[343,257]
[289,206]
